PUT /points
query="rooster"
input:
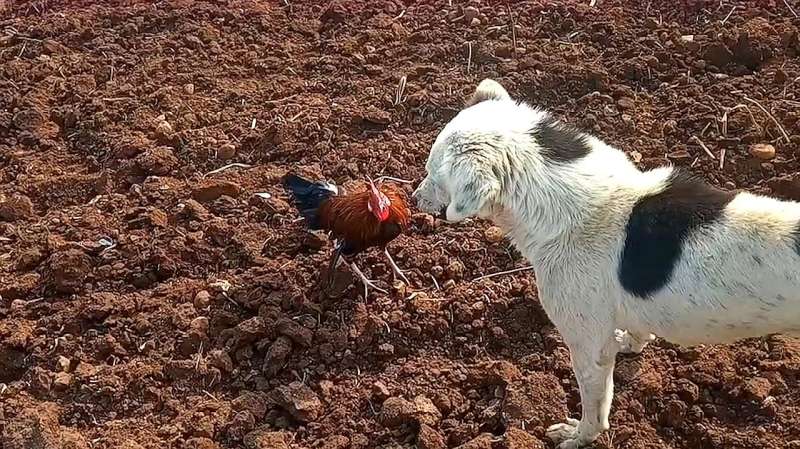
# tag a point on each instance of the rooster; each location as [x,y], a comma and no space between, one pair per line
[372,217]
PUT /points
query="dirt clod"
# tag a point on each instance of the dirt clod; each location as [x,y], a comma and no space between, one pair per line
[261,439]
[299,401]
[211,189]
[397,411]
[428,438]
[15,207]
[157,161]
[67,270]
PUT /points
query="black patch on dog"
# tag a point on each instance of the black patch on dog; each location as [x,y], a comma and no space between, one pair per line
[659,225]
[560,142]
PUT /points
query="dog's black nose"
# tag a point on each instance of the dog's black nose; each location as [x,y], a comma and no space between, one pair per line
[442,215]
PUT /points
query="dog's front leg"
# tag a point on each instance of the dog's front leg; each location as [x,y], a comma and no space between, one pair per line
[593,363]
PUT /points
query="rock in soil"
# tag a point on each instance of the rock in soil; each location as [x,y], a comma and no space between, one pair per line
[763,151]
[538,400]
[201,443]
[397,411]
[67,270]
[516,438]
[211,189]
[300,401]
[39,428]
[157,161]
[15,207]
[262,439]
[428,438]
[482,441]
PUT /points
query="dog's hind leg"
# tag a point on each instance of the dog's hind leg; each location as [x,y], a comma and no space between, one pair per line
[632,343]
[594,370]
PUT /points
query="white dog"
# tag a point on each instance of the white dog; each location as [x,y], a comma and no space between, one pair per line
[655,252]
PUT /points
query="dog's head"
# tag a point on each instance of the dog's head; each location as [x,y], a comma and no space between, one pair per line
[462,177]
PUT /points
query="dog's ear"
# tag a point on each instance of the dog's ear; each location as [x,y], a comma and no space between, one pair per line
[488,90]
[473,185]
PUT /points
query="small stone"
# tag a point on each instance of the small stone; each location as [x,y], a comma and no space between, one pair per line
[757,388]
[202,299]
[482,441]
[519,439]
[300,401]
[68,270]
[475,22]
[787,186]
[386,349]
[679,155]
[499,372]
[199,325]
[261,439]
[493,234]
[164,129]
[471,12]
[426,412]
[157,161]
[188,88]
[396,412]
[276,355]
[15,207]
[226,151]
[85,370]
[504,51]
[626,103]
[380,390]
[221,360]
[62,381]
[455,270]
[336,442]
[674,413]
[763,151]
[211,189]
[18,304]
[64,363]
[448,284]
[201,443]
[296,332]
[428,438]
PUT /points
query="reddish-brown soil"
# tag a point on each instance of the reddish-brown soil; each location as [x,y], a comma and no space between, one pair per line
[149,303]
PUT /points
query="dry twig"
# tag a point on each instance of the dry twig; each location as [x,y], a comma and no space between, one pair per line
[234,165]
[729,15]
[515,270]
[703,146]
[401,89]
[791,10]
[469,57]
[783,131]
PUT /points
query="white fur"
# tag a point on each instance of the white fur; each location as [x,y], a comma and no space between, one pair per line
[569,221]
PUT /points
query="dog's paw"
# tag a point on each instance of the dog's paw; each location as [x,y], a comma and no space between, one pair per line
[628,344]
[564,434]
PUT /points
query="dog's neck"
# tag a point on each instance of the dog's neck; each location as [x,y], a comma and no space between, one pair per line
[545,206]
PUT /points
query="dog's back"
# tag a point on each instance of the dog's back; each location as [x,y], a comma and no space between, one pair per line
[701,265]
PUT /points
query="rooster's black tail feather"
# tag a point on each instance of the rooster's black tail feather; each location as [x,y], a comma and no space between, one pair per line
[309,196]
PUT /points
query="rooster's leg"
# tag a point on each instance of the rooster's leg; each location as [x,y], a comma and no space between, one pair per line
[367,283]
[395,267]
